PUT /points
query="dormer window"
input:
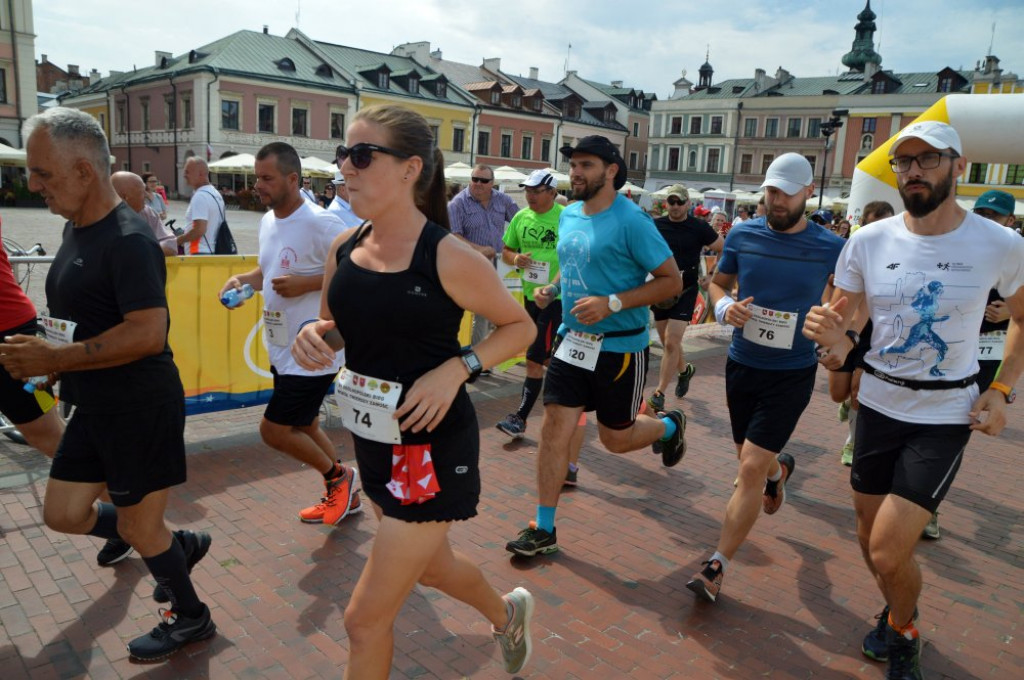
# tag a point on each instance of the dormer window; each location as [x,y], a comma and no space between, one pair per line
[496,97]
[878,87]
[946,84]
[286,64]
[441,89]
[383,79]
[517,101]
[324,71]
[414,85]
[536,104]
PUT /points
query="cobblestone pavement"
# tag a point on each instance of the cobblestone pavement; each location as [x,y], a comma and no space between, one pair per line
[612,604]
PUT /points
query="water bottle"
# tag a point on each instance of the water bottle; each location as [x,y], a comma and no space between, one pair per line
[33,383]
[235,297]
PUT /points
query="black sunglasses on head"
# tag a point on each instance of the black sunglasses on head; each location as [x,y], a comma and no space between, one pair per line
[361,155]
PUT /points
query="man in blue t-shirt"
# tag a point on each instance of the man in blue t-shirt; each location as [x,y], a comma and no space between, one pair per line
[606,248]
[781,263]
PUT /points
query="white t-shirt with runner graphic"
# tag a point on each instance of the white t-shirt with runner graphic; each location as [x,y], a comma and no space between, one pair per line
[927,296]
[296,245]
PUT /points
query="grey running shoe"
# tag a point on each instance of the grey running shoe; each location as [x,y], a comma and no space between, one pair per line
[173,633]
[533,541]
[708,581]
[195,545]
[513,426]
[112,552]
[683,382]
[514,640]
[931,530]
[656,401]
[775,492]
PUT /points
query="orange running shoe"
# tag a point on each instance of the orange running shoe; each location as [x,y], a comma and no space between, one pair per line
[341,501]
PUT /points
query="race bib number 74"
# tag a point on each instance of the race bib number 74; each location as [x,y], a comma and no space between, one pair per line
[368,406]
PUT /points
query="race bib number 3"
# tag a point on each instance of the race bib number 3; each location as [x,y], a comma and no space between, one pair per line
[990,346]
[368,406]
[580,349]
[770,327]
[275,324]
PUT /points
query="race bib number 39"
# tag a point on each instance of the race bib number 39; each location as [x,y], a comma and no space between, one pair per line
[538,273]
[368,406]
[580,349]
[770,327]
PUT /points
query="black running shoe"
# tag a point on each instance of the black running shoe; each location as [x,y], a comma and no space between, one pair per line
[904,654]
[112,552]
[673,450]
[173,633]
[683,383]
[775,492]
[875,646]
[533,541]
[195,545]
[708,581]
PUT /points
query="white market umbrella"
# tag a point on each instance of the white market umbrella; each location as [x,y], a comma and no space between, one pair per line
[562,179]
[632,189]
[458,172]
[240,164]
[507,174]
[316,167]
[11,157]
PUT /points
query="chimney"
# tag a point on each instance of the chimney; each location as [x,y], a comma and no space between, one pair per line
[492,64]
[43,60]
[534,73]
[436,54]
[617,84]
[266,29]
[570,73]
[781,75]
[73,71]
[94,75]
[162,55]
[870,69]
[417,51]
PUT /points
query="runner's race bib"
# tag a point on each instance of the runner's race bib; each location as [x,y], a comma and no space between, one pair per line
[538,273]
[990,346]
[275,325]
[770,327]
[580,349]
[58,331]
[368,406]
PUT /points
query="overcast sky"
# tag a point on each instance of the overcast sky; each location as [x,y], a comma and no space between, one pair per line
[646,43]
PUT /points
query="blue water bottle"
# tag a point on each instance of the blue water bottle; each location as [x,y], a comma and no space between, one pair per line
[235,297]
[33,383]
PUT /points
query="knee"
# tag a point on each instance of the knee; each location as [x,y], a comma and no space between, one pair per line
[886,560]
[272,434]
[614,440]
[364,627]
[66,520]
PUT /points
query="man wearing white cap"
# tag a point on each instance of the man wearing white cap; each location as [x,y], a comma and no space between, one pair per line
[925,274]
[781,263]
[340,206]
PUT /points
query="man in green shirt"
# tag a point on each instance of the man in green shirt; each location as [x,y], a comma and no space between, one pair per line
[529,245]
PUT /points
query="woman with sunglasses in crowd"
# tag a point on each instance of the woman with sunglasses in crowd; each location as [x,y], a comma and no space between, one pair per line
[395,290]
[327,197]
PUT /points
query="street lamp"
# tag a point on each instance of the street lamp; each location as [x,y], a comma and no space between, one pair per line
[827,128]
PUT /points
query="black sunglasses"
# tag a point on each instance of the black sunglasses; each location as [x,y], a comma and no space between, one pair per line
[361,154]
[482,180]
[675,201]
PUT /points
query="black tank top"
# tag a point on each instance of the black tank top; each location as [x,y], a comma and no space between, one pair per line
[397,325]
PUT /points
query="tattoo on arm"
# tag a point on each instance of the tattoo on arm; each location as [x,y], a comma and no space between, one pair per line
[93,347]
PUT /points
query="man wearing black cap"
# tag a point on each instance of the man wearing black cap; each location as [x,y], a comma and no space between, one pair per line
[925,275]
[606,247]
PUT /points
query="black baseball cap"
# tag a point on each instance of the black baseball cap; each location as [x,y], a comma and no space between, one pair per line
[603,148]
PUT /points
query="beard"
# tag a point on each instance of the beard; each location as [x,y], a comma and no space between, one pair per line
[921,204]
[589,190]
[787,221]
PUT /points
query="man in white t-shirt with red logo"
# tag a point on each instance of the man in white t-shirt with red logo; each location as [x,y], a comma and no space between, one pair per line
[295,237]
[926,275]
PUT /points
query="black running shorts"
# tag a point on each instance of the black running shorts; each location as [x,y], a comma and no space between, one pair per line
[764,406]
[547,320]
[909,460]
[19,406]
[614,389]
[134,454]
[296,399]
[682,310]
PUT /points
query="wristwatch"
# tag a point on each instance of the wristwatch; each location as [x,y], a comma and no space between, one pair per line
[1009,394]
[855,336]
[614,303]
[472,363]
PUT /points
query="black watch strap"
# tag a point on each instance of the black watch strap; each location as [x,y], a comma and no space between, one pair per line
[472,363]
[853,335]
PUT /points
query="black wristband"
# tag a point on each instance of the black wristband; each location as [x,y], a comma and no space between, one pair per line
[854,336]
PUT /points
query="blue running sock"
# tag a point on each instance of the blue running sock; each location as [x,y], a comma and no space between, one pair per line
[546,518]
[670,428]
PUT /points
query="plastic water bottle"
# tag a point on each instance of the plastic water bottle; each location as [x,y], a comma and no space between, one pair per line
[235,297]
[33,383]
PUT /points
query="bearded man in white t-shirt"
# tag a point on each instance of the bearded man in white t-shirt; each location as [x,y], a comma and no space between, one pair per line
[295,237]
[926,275]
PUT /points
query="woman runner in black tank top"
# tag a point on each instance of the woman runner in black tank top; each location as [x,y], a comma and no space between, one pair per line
[394,294]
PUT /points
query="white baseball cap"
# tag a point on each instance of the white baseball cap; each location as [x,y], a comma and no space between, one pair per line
[338,178]
[937,134]
[539,178]
[790,172]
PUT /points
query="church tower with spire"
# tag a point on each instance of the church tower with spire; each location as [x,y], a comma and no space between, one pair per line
[863,51]
[705,72]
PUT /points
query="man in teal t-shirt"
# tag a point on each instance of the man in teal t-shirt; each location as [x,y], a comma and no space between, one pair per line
[606,248]
[531,241]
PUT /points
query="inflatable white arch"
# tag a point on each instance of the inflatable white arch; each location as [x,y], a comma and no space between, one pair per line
[991,128]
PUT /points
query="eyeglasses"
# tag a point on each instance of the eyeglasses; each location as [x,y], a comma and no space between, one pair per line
[305,181]
[361,155]
[536,191]
[482,180]
[675,201]
[929,160]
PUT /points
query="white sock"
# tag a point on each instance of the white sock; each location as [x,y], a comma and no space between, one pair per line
[722,559]
[777,476]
